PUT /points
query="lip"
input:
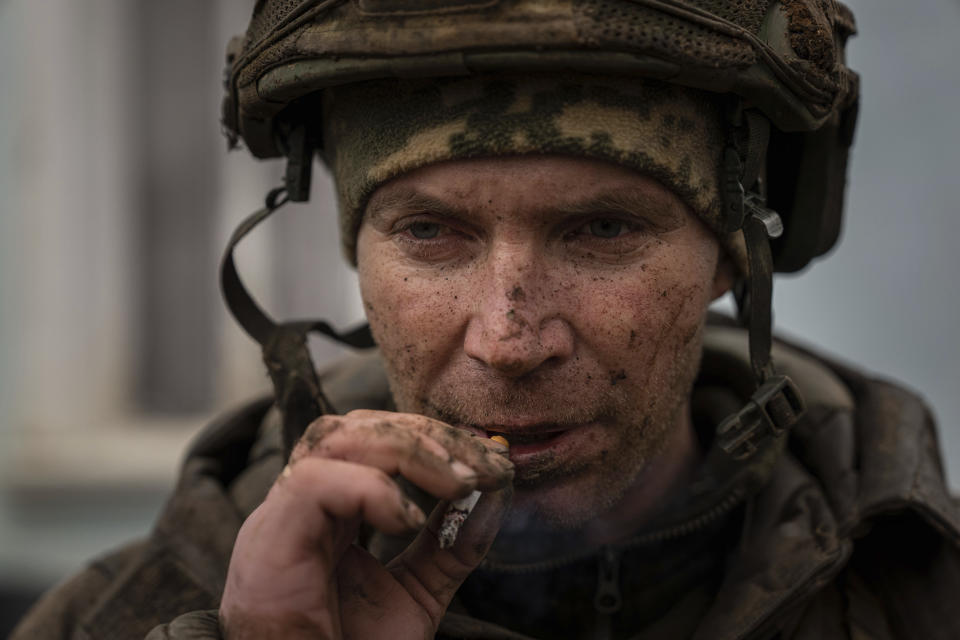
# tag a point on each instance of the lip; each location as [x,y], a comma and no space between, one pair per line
[552,438]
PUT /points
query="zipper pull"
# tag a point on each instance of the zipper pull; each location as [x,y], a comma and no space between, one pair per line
[608,600]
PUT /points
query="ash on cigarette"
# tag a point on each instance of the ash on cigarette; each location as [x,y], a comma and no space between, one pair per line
[452,523]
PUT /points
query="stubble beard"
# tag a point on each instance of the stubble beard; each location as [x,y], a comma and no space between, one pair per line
[600,482]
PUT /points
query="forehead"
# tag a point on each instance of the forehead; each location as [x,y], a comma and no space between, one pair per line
[535,184]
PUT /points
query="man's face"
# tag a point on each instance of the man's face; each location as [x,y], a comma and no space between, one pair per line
[557,300]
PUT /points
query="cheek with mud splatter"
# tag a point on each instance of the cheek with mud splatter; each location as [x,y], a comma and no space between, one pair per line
[412,320]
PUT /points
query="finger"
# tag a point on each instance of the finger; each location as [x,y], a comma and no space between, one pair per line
[409,450]
[373,602]
[287,551]
[418,458]
[432,575]
[482,454]
[344,491]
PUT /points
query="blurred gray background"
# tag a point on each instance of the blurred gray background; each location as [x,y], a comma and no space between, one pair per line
[116,196]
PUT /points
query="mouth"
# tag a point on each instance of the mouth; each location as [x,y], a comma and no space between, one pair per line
[541,451]
[528,440]
[520,439]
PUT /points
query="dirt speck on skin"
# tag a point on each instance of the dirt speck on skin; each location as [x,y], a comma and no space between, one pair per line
[382,428]
[690,335]
[617,376]
[810,38]
[358,592]
[320,430]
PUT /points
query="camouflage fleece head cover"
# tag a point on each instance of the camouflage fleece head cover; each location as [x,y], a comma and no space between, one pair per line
[378,130]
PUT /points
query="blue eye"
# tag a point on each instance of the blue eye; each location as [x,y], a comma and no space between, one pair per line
[606,227]
[424,230]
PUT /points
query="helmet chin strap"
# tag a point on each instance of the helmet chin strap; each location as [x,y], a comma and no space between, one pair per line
[299,396]
[776,404]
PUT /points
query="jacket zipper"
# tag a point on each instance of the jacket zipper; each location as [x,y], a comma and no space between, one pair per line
[608,599]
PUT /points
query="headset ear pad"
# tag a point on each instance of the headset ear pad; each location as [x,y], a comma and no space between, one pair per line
[806,181]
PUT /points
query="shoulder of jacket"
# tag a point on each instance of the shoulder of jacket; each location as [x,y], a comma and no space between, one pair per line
[871,443]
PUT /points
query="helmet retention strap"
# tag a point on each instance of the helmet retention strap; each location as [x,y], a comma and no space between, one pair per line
[298,392]
[776,404]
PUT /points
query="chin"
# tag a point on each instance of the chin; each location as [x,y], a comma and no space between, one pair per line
[564,505]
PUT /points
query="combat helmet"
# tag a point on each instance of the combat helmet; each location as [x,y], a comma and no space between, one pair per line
[791,115]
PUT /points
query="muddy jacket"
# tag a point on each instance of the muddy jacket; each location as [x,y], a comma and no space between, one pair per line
[852,535]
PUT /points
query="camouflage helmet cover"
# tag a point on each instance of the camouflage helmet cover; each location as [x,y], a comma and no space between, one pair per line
[784,58]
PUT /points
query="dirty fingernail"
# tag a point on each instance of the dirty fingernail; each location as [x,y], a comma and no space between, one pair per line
[463,472]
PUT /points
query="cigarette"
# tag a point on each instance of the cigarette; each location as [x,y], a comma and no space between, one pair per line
[454,518]
[459,510]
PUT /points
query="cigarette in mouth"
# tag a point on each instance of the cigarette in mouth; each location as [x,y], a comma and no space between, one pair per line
[458,511]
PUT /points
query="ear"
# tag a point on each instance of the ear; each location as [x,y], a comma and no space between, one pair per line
[724,276]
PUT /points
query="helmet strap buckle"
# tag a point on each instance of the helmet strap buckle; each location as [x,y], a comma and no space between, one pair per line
[772,409]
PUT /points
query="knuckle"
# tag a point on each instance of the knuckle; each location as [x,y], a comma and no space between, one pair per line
[321,428]
[298,469]
[427,451]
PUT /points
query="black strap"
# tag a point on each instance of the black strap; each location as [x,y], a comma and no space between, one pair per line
[759,320]
[758,137]
[254,320]
[744,209]
[776,403]
[247,312]
[299,395]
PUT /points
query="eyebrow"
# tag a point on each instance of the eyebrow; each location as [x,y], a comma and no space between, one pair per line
[655,209]
[409,199]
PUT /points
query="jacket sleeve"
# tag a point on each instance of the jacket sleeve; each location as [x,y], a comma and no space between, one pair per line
[196,625]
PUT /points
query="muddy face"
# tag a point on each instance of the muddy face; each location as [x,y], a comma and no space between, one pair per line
[559,301]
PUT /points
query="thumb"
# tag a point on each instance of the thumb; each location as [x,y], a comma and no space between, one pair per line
[432,575]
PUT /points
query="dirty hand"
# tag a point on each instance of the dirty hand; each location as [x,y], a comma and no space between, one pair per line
[295,570]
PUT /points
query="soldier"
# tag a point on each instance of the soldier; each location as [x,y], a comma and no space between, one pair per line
[542,199]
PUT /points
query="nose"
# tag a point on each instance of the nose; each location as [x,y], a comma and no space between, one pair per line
[517,325]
